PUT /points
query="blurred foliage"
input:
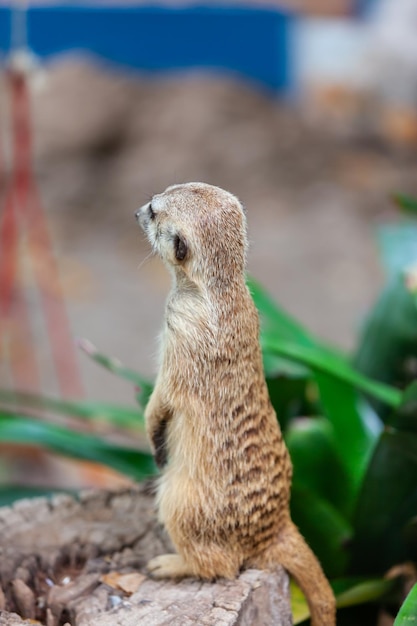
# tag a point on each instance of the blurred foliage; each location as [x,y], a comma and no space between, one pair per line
[408,612]
[350,423]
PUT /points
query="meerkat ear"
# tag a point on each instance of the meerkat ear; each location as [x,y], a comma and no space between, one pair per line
[180,247]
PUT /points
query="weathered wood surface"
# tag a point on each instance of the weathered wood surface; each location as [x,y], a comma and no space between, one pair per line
[64,562]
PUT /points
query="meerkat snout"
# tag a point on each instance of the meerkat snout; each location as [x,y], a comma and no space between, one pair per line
[144,211]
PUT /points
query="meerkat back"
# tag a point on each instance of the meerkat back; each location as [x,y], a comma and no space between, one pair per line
[224,489]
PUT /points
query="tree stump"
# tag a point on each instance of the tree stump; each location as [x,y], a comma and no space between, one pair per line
[69,561]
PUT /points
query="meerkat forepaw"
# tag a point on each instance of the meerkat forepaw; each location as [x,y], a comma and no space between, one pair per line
[168,566]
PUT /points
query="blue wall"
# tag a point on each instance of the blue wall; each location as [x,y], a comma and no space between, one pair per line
[250,42]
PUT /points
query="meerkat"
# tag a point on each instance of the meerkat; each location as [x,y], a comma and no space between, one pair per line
[223,494]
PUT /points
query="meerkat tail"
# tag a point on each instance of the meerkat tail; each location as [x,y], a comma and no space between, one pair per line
[298,559]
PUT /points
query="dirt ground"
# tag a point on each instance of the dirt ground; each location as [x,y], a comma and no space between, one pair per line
[105,142]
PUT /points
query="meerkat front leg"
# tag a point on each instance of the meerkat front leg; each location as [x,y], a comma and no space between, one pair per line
[157,415]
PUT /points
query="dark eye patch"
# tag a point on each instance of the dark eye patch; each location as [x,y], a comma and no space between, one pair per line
[180,248]
[151,211]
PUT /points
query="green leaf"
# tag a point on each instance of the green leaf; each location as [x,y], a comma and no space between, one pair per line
[349,592]
[356,429]
[284,338]
[324,528]
[388,345]
[276,322]
[20,428]
[407,203]
[386,506]
[112,364]
[336,366]
[143,393]
[408,612]
[113,414]
[299,607]
[274,319]
[405,417]
[276,366]
[317,466]
[290,397]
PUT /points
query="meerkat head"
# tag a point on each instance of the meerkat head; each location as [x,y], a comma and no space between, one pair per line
[198,230]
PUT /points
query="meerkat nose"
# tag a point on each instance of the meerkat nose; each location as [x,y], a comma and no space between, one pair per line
[137,214]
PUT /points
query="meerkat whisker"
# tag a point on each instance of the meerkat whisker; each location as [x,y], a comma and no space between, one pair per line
[150,255]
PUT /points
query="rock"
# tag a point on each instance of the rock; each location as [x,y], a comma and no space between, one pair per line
[82,562]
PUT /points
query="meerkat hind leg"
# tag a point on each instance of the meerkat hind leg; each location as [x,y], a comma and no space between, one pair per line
[206,562]
[169,566]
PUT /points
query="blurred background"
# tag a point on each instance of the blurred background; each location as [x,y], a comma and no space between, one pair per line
[306,110]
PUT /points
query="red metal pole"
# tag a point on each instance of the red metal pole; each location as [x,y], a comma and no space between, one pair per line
[23,209]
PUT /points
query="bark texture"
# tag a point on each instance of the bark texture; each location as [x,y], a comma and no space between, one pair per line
[81,562]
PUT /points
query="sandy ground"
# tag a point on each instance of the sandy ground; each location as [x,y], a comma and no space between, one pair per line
[106,142]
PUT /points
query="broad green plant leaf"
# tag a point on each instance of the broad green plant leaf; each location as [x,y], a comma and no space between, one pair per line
[116,415]
[355,425]
[356,429]
[291,396]
[354,591]
[143,393]
[20,428]
[407,615]
[388,344]
[349,592]
[387,506]
[276,322]
[336,366]
[274,319]
[285,338]
[317,465]
[406,416]
[325,529]
[299,607]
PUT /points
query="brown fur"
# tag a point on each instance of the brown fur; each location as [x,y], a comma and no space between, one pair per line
[224,491]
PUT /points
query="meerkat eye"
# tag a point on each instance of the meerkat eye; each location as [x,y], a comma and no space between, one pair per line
[180,248]
[151,211]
